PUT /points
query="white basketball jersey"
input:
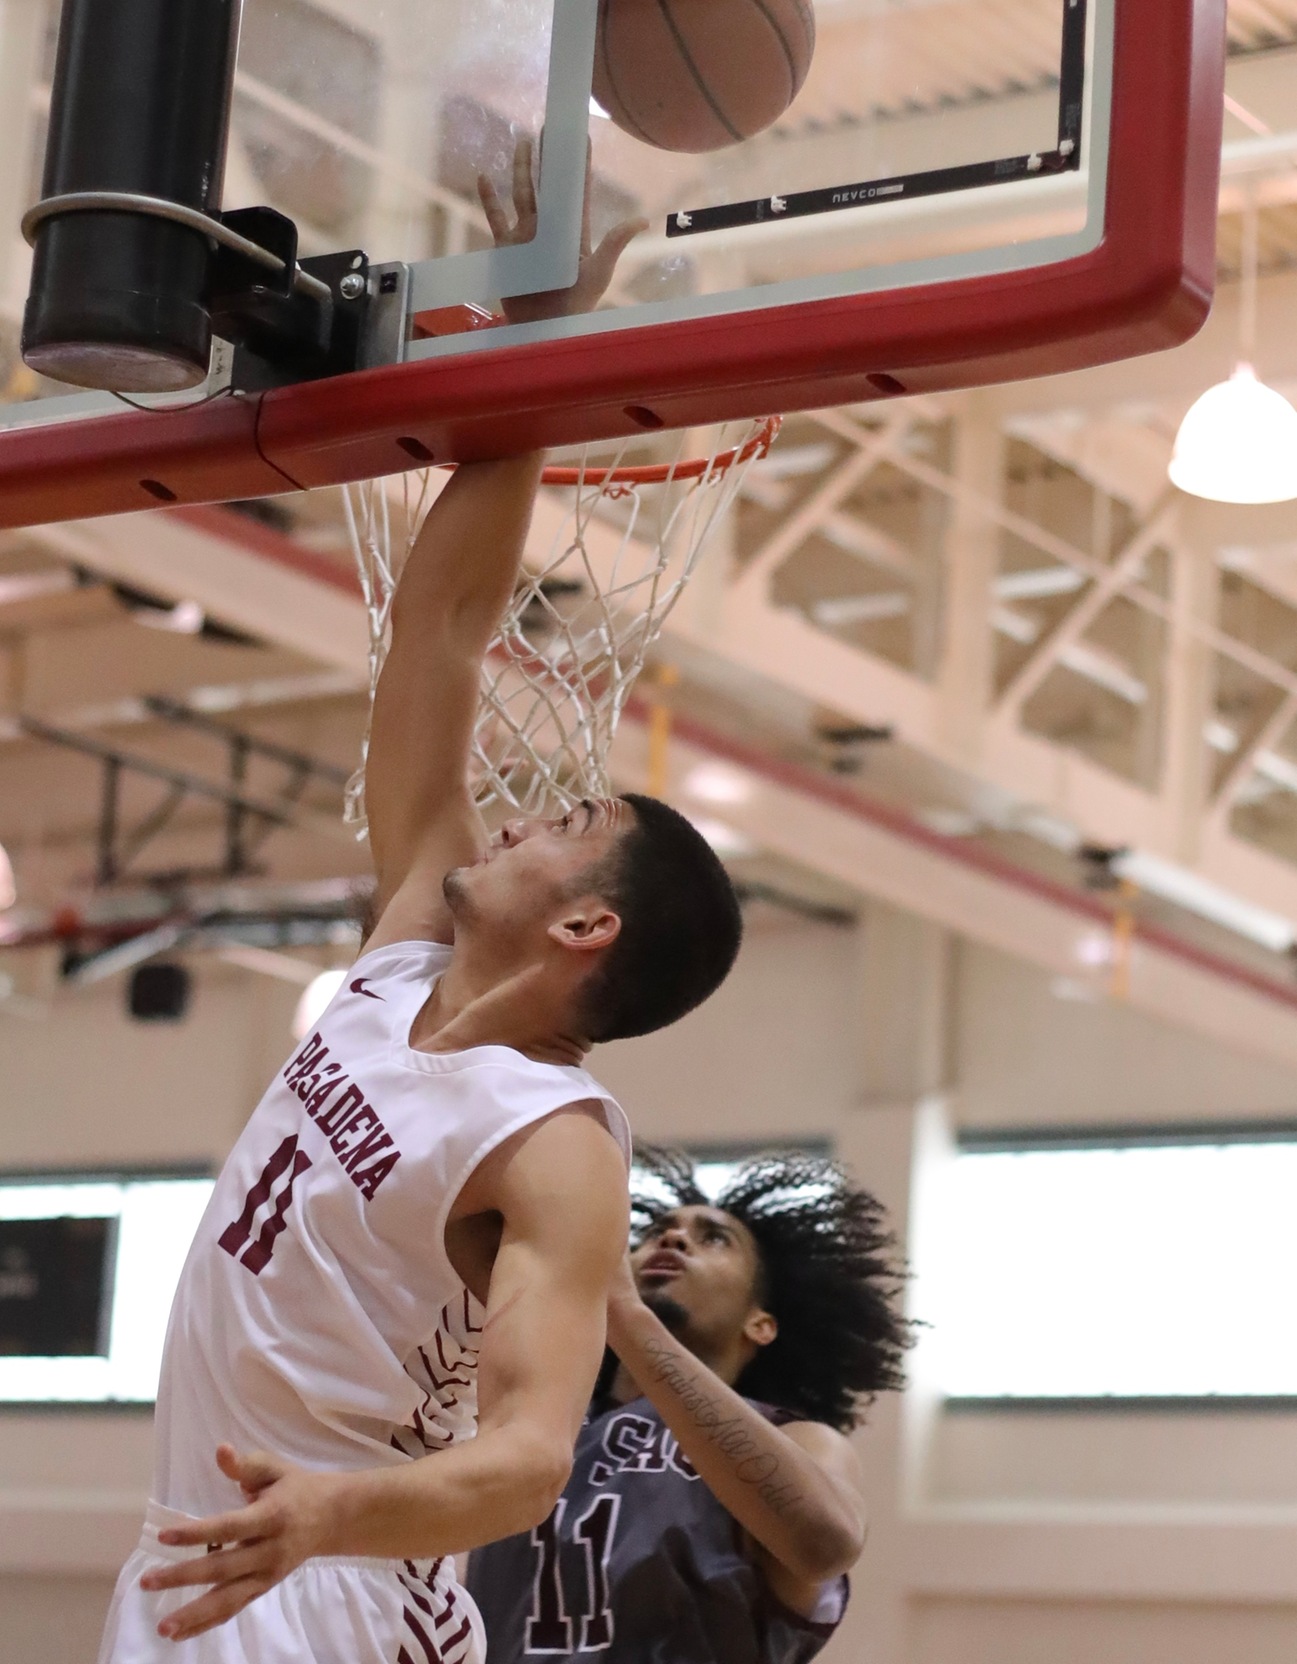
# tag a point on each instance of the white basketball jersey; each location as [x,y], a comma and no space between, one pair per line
[318,1317]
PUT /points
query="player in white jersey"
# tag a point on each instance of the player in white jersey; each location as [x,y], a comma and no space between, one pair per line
[391,1318]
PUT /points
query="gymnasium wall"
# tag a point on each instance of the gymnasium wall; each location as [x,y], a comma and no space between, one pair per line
[996,1539]
[1027,1058]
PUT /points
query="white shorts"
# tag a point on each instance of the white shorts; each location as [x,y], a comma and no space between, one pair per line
[326,1612]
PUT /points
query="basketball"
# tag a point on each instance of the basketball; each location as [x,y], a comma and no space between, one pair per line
[697,75]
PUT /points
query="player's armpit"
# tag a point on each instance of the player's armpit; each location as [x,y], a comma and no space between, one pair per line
[415,909]
[561,1192]
[564,1202]
[560,1189]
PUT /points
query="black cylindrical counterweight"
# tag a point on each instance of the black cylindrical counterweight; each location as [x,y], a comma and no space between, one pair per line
[140,103]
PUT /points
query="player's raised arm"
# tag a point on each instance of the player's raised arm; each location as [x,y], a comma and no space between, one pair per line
[455,586]
[795,1490]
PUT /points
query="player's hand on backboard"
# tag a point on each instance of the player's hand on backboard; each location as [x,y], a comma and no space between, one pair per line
[597,264]
[285,1521]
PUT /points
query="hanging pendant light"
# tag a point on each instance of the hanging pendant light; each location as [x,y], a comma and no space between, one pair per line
[1238,441]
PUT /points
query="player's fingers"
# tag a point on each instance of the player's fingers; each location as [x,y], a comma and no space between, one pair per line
[215,1607]
[524,181]
[622,235]
[586,239]
[254,1472]
[492,207]
[603,262]
[225,1566]
[244,1526]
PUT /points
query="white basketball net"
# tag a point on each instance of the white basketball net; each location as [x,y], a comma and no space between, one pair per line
[557,676]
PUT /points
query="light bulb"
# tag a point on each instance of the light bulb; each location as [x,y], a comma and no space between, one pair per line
[715,783]
[8,889]
[316,997]
[1238,443]
[727,841]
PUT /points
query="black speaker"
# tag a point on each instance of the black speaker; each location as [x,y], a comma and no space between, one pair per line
[158,993]
[139,105]
[54,1275]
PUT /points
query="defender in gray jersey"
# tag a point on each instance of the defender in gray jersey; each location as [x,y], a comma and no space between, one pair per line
[714,1506]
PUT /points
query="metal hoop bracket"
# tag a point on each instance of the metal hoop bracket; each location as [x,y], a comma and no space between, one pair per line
[132,202]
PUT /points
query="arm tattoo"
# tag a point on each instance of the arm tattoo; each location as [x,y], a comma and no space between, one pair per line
[762,1471]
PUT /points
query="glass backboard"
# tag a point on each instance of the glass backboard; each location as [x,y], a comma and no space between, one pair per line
[962,191]
[370,125]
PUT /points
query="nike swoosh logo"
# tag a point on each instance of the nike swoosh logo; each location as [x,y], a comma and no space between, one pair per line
[358,987]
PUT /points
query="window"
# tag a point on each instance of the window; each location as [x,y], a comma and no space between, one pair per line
[88,1267]
[715,1165]
[1150,1270]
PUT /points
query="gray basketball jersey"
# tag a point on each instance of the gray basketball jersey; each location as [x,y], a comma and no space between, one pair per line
[639,1564]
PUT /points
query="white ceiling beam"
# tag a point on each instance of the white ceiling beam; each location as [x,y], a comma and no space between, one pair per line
[1124,569]
[869,448]
[885,856]
[1021,767]
[1036,584]
[1105,670]
[1247,760]
[777,646]
[1120,454]
[222,699]
[207,556]
[971,547]
[842,611]
[1189,679]
[1190,511]
[857,537]
[980,502]
[1262,83]
[1018,626]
